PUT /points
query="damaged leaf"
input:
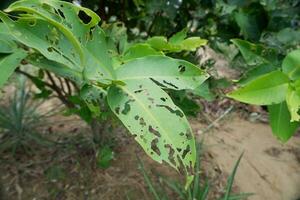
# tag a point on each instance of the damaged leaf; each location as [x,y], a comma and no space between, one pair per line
[165,71]
[157,124]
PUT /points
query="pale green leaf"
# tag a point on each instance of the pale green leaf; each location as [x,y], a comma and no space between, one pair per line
[192,43]
[158,125]
[280,119]
[159,43]
[268,89]
[165,71]
[8,64]
[293,103]
[291,65]
[175,45]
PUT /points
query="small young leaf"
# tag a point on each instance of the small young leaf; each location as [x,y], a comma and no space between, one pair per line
[268,89]
[280,121]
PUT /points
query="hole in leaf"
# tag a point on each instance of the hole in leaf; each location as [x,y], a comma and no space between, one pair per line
[85,18]
[138,91]
[142,122]
[163,99]
[157,83]
[50,49]
[171,154]
[154,146]
[181,68]
[176,112]
[189,135]
[127,108]
[60,13]
[188,149]
[155,132]
[117,110]
[170,84]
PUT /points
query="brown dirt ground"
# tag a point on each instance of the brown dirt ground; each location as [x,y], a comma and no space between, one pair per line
[24,177]
[268,168]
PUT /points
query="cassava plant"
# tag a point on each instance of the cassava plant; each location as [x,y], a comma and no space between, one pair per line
[66,40]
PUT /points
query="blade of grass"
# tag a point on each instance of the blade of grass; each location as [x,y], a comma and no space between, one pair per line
[240,196]
[204,192]
[231,178]
[147,179]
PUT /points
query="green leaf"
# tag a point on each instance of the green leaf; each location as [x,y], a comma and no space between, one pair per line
[7,45]
[291,65]
[204,91]
[9,63]
[48,40]
[57,68]
[176,44]
[62,15]
[165,71]
[159,43]
[179,36]
[192,43]
[293,103]
[247,24]
[255,54]
[98,61]
[93,95]
[140,50]
[104,157]
[280,121]
[256,72]
[268,89]
[158,125]
[55,29]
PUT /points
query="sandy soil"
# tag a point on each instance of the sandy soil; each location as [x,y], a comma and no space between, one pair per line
[268,168]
